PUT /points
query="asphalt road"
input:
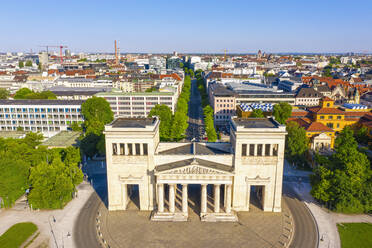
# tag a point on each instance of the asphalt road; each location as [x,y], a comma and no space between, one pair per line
[306,233]
[195,129]
[85,235]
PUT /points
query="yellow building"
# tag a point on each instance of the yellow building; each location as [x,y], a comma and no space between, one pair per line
[329,115]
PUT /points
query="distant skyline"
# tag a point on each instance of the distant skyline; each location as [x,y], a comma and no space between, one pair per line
[188,26]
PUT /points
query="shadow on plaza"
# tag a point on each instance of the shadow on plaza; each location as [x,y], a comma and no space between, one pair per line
[95,174]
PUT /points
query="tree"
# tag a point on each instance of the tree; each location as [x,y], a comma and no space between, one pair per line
[4,94]
[179,125]
[361,135]
[75,126]
[296,143]
[52,186]
[40,66]
[21,93]
[97,113]
[21,64]
[181,65]
[282,111]
[344,181]
[28,63]
[257,113]
[165,115]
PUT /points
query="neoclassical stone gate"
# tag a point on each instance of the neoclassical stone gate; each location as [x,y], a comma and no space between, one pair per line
[196,172]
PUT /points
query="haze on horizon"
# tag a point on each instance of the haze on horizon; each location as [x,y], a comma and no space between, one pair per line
[188,26]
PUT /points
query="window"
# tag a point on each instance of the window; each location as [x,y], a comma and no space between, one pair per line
[122,149]
[330,125]
[339,117]
[275,150]
[330,117]
[267,150]
[130,149]
[138,149]
[244,149]
[322,117]
[328,105]
[114,149]
[338,125]
[259,149]
[145,149]
[251,150]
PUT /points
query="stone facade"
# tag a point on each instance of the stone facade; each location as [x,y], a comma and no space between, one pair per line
[252,160]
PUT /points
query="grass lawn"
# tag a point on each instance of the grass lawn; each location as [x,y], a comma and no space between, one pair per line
[17,234]
[355,235]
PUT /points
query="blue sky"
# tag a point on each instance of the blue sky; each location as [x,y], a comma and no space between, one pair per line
[188,26]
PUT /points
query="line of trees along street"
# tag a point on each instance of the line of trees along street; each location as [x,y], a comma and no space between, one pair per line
[207,109]
[25,93]
[51,175]
[173,127]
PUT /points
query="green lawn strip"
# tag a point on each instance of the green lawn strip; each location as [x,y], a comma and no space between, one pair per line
[32,240]
[355,235]
[17,234]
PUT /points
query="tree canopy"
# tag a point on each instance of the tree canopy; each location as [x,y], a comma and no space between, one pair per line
[257,113]
[21,164]
[165,115]
[21,64]
[282,111]
[296,143]
[28,63]
[343,181]
[4,94]
[25,93]
[97,113]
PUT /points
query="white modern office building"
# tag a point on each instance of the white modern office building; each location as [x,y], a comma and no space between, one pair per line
[46,116]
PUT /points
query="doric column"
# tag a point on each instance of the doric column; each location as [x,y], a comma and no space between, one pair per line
[126,149]
[172,197]
[228,199]
[203,208]
[134,148]
[255,149]
[141,149]
[263,149]
[161,197]
[217,198]
[184,198]
[271,150]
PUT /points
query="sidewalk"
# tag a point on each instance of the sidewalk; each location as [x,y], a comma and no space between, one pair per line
[62,227]
[326,220]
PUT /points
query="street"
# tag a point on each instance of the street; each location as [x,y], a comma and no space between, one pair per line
[195,129]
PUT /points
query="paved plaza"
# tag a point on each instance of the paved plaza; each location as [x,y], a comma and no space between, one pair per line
[133,228]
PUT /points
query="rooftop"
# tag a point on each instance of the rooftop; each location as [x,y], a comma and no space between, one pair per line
[62,139]
[256,122]
[41,102]
[132,122]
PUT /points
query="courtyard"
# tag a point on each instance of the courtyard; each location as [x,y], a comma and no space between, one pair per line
[133,228]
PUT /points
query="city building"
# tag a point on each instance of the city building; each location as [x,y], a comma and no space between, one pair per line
[223,103]
[46,116]
[138,104]
[249,166]
[307,97]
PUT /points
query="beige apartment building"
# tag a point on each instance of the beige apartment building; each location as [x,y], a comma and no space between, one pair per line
[214,179]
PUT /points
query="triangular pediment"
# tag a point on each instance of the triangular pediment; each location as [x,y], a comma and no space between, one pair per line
[194,166]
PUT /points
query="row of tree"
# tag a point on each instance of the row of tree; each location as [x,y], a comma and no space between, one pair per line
[21,64]
[207,109]
[49,175]
[173,127]
[26,93]
[343,181]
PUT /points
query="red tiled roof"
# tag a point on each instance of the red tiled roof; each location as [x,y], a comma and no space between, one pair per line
[326,98]
[320,110]
[318,127]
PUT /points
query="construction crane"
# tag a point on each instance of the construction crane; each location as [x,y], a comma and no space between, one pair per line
[225,53]
[60,50]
